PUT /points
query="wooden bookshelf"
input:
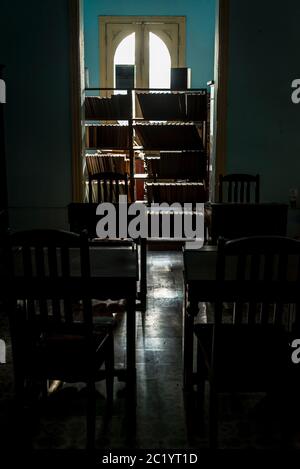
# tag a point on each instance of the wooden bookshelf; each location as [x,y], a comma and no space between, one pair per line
[164,149]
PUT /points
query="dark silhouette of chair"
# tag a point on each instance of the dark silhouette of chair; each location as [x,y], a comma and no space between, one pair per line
[247,349]
[232,221]
[53,333]
[107,187]
[239,188]
[82,216]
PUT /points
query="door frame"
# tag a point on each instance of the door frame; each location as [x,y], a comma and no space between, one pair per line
[77,90]
[221,89]
[77,97]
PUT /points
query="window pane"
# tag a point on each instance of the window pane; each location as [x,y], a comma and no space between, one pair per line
[159,63]
[125,53]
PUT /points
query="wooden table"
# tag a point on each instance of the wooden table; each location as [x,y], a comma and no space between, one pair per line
[201,285]
[199,282]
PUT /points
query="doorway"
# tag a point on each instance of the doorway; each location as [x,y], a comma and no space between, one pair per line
[220,75]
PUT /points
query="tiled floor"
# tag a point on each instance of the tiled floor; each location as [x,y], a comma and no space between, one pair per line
[164,417]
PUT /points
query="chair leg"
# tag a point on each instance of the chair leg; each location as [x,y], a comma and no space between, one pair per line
[213,418]
[20,389]
[44,389]
[200,379]
[201,395]
[110,370]
[91,415]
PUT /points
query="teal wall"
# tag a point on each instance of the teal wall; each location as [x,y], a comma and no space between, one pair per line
[263,124]
[200,23]
[34,46]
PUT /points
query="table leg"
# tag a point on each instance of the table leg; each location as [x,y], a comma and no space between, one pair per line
[143,279]
[131,340]
[188,343]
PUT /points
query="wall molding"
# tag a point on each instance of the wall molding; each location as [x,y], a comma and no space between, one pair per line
[77,96]
[221,87]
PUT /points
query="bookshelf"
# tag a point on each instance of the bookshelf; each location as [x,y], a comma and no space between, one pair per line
[160,138]
[108,135]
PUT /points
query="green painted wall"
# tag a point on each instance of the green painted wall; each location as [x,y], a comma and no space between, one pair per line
[263,124]
[34,46]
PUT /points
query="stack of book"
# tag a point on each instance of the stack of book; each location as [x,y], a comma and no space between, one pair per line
[174,106]
[196,107]
[180,192]
[162,106]
[106,162]
[178,165]
[164,136]
[116,107]
[107,136]
[96,197]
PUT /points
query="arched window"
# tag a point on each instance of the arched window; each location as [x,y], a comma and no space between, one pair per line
[153,44]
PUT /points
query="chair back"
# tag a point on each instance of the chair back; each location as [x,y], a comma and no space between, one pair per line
[250,337]
[47,271]
[263,273]
[235,220]
[239,188]
[107,186]
[50,312]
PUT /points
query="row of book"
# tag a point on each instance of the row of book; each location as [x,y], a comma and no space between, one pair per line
[106,162]
[174,106]
[180,192]
[99,192]
[112,136]
[154,106]
[153,136]
[177,165]
[101,108]
[164,136]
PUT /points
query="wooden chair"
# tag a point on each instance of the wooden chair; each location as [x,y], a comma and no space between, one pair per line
[233,221]
[53,333]
[248,350]
[241,188]
[109,186]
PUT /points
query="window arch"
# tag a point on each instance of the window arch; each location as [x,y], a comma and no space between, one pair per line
[167,31]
